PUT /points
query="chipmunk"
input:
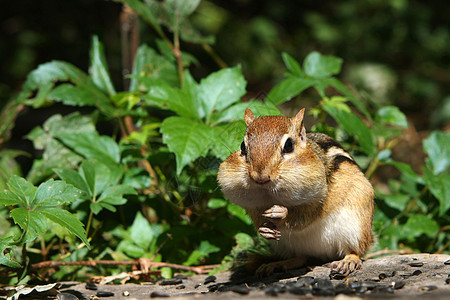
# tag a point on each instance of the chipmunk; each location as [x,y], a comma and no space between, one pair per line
[303,191]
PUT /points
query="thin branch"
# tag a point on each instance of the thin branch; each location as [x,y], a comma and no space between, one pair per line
[129,36]
[443,248]
[177,52]
[219,61]
[386,251]
[93,263]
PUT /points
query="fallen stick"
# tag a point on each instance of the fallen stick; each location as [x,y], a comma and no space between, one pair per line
[93,263]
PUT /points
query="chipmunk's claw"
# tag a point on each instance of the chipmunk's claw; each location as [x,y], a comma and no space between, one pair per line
[276,212]
[269,231]
[268,269]
[282,265]
[347,265]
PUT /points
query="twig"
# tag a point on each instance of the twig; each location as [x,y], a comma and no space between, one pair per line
[129,36]
[169,236]
[125,276]
[177,52]
[387,251]
[443,248]
[214,55]
[93,263]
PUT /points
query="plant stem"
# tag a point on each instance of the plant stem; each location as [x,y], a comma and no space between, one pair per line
[54,264]
[372,167]
[412,204]
[214,56]
[129,36]
[127,127]
[443,248]
[177,52]
[88,226]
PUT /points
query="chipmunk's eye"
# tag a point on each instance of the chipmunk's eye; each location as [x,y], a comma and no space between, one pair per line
[243,149]
[288,146]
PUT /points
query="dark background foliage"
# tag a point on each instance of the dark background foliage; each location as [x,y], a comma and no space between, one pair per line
[394,54]
[405,41]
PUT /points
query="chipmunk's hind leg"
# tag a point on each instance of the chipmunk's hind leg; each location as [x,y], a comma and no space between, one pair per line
[347,265]
[282,265]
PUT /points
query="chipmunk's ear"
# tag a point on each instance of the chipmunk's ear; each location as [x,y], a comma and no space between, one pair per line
[299,127]
[249,116]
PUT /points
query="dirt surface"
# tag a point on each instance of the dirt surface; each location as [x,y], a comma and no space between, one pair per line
[421,276]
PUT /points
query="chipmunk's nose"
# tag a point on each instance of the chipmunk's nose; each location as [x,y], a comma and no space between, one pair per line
[260,177]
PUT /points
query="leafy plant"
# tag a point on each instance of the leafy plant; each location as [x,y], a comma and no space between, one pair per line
[33,207]
[165,138]
[413,214]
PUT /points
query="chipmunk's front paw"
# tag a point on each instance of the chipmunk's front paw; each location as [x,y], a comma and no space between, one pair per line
[270,268]
[347,265]
[282,265]
[269,231]
[276,212]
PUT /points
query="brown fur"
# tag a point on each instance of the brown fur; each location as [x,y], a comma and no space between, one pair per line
[315,181]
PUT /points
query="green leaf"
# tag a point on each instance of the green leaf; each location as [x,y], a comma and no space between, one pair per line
[112,200]
[131,249]
[72,177]
[150,68]
[439,186]
[96,207]
[338,102]
[183,7]
[221,89]
[9,198]
[54,193]
[437,146]
[55,154]
[292,65]
[93,145]
[384,155]
[353,125]
[227,138]
[23,189]
[334,82]
[391,115]
[8,258]
[119,190]
[96,175]
[68,221]
[244,241]
[72,95]
[288,89]
[167,97]
[77,88]
[32,222]
[317,65]
[215,203]
[236,111]
[9,112]
[141,232]
[144,12]
[113,195]
[407,172]
[386,132]
[397,201]
[99,69]
[418,225]
[205,249]
[239,213]
[174,14]
[71,124]
[186,138]
[8,164]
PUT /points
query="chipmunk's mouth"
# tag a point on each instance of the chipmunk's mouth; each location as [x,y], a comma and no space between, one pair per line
[260,177]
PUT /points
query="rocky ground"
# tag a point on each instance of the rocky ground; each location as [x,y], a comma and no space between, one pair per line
[401,277]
